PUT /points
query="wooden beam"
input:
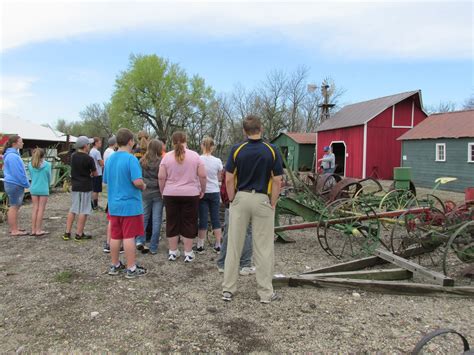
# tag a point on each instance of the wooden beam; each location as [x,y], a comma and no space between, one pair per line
[437,277]
[399,288]
[366,262]
[386,274]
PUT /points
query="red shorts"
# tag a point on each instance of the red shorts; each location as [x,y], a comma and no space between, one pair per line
[126,227]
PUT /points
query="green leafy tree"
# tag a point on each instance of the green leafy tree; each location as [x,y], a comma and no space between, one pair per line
[158,95]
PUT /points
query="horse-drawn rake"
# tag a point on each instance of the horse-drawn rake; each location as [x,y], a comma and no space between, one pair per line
[358,219]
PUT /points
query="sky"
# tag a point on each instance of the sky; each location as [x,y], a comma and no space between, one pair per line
[58,57]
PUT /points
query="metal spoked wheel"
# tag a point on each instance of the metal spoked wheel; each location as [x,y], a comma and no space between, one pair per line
[398,200]
[458,256]
[355,234]
[426,229]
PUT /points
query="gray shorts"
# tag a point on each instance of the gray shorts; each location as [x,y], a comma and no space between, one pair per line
[81,202]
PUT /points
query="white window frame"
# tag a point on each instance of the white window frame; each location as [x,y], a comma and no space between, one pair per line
[437,151]
[470,148]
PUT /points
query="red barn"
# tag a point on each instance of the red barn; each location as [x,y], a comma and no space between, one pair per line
[363,136]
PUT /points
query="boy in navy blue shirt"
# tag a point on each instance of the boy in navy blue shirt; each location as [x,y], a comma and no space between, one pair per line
[123,176]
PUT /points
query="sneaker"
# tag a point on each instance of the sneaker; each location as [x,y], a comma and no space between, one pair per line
[220,269]
[66,236]
[275,297]
[217,249]
[106,248]
[199,250]
[78,237]
[227,296]
[139,271]
[247,270]
[173,256]
[121,250]
[143,248]
[189,258]
[115,270]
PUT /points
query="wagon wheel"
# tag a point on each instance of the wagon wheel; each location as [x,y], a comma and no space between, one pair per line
[458,256]
[426,229]
[353,237]
[3,208]
[346,188]
[431,200]
[398,200]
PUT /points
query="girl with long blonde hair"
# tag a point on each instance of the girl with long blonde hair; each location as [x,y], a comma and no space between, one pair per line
[40,172]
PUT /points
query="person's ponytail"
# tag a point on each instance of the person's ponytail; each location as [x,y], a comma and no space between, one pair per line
[37,157]
[179,139]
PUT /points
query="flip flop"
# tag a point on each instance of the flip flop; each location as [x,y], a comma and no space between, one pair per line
[18,234]
[42,233]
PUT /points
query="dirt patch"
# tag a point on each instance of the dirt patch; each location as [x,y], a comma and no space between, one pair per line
[55,296]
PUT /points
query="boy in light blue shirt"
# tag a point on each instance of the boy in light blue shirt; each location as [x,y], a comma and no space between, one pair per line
[123,176]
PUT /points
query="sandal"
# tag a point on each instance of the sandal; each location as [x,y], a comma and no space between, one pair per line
[40,234]
[22,233]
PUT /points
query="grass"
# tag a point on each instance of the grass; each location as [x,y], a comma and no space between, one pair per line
[64,276]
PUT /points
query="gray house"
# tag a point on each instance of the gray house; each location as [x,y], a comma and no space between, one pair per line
[441,145]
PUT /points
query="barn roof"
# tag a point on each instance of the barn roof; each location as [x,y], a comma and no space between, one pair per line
[457,124]
[362,112]
[302,138]
[29,130]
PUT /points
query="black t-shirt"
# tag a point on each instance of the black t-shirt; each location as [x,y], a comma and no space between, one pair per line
[82,165]
[254,162]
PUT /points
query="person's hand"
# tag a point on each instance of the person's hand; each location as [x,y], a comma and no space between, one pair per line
[201,195]
[144,187]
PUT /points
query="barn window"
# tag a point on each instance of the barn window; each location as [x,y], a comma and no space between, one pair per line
[470,152]
[440,152]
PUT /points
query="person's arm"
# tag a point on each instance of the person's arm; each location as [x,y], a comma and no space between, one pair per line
[202,178]
[162,175]
[276,189]
[101,163]
[139,184]
[229,185]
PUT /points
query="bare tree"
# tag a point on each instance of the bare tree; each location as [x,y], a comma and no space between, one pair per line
[297,91]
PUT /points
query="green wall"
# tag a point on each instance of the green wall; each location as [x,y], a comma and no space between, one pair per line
[298,155]
[420,156]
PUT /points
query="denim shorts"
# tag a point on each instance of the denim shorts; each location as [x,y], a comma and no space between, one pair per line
[209,205]
[15,194]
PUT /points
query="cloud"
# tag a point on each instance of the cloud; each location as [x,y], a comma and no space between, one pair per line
[13,91]
[402,29]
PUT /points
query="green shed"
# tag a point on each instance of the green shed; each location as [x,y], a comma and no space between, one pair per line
[298,149]
[441,145]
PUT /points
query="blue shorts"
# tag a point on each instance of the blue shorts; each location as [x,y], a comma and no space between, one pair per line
[209,204]
[15,194]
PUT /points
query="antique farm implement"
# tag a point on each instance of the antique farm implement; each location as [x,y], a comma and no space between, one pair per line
[357,218]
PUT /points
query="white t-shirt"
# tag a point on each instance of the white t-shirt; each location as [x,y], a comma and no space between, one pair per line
[108,152]
[213,166]
[95,154]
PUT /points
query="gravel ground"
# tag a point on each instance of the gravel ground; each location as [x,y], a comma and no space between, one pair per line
[55,296]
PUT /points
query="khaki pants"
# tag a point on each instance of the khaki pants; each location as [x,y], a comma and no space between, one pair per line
[256,208]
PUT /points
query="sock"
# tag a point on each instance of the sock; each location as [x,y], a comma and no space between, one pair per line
[173,251]
[217,245]
[96,203]
[118,264]
[133,268]
[200,243]
[189,253]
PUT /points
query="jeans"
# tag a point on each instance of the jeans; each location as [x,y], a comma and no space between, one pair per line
[156,206]
[329,170]
[15,193]
[246,257]
[209,203]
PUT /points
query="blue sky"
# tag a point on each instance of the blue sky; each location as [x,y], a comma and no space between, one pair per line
[56,58]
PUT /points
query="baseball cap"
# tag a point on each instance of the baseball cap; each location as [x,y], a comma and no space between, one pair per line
[112,140]
[326,148]
[82,141]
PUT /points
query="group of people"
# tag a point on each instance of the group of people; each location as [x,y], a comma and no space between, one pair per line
[142,180]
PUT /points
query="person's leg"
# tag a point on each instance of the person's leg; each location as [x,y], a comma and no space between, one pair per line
[221,258]
[246,257]
[189,222]
[203,219]
[214,203]
[81,223]
[43,200]
[263,245]
[173,243]
[69,222]
[239,218]
[188,245]
[147,206]
[172,226]
[34,213]
[13,219]
[156,223]
[129,247]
